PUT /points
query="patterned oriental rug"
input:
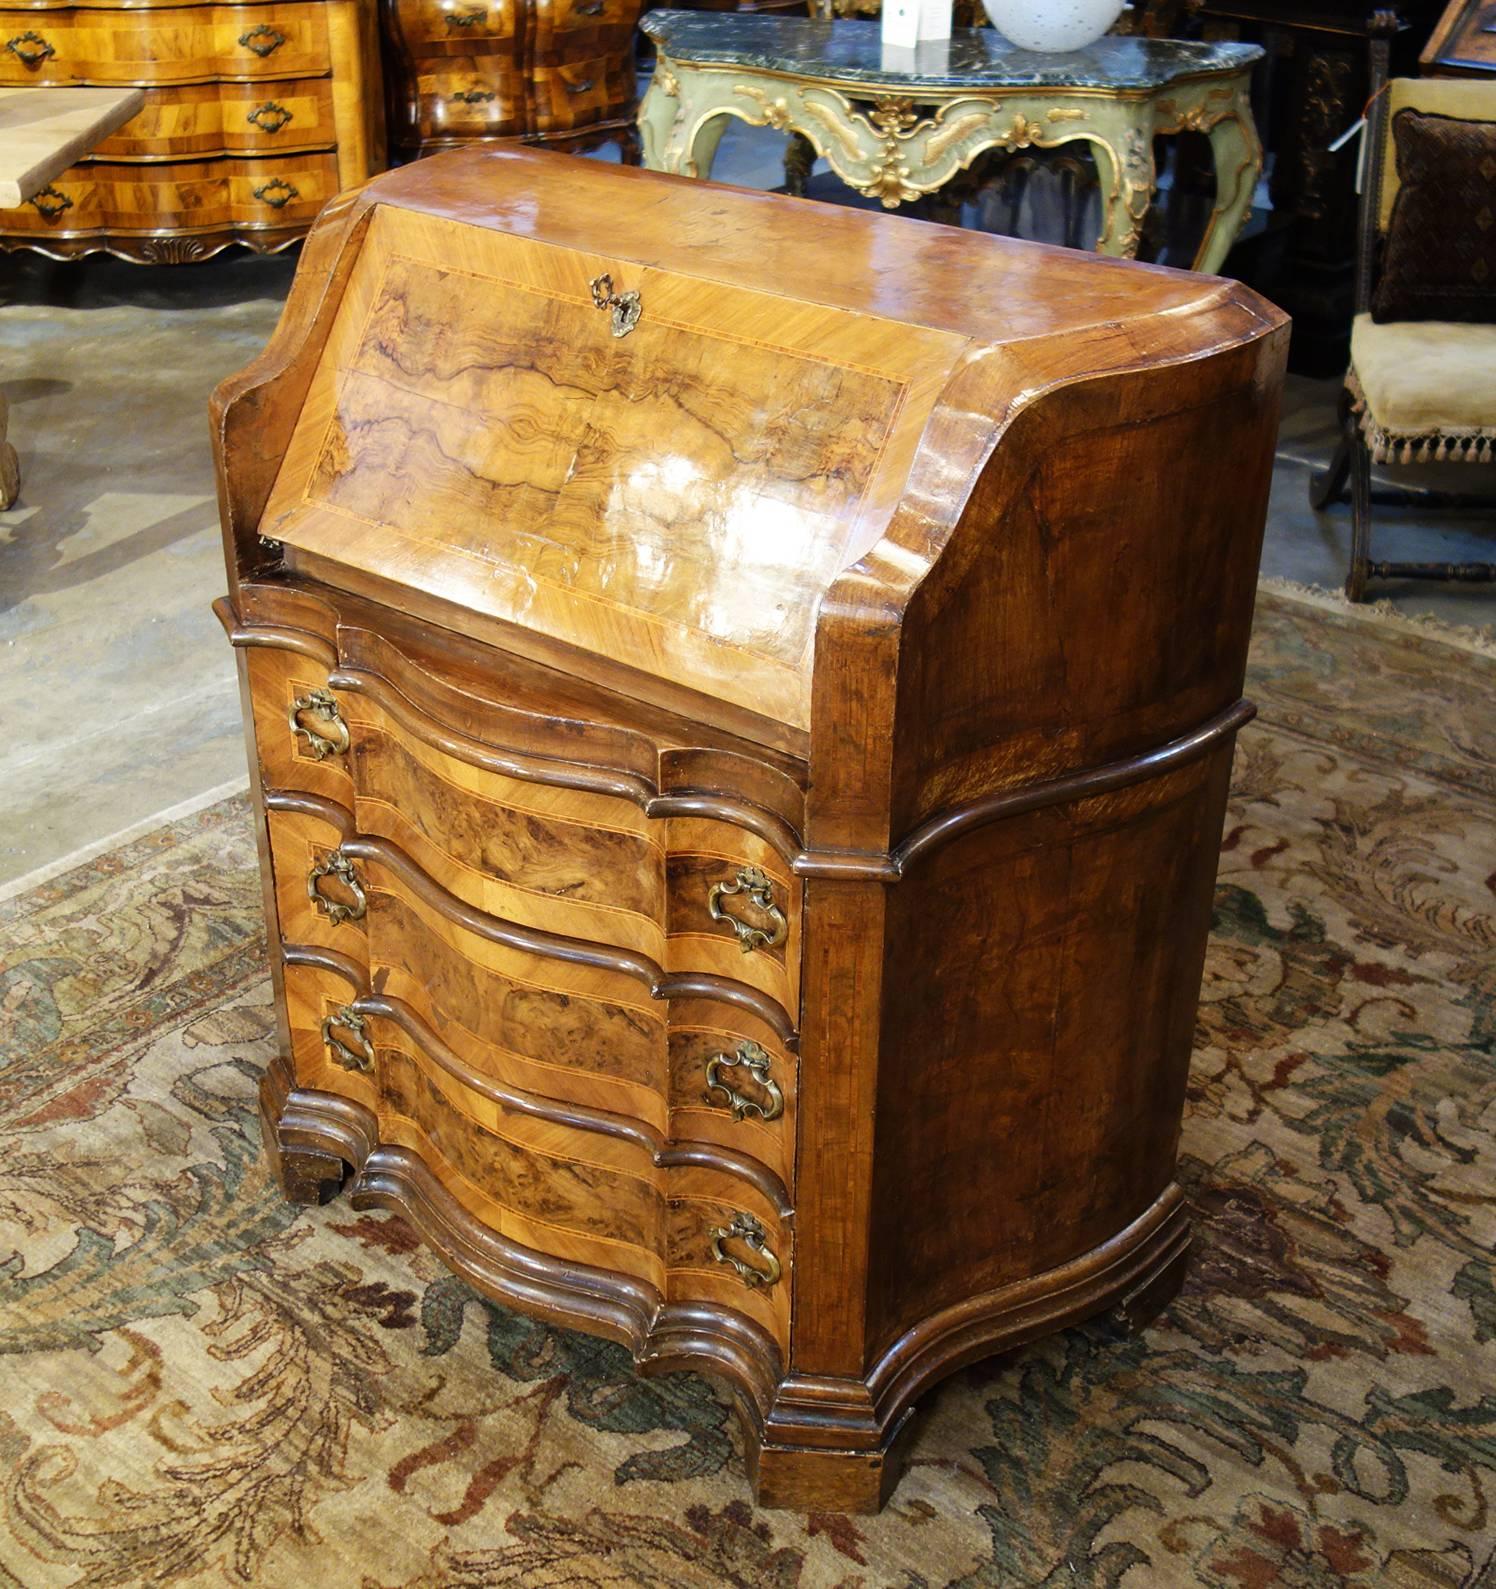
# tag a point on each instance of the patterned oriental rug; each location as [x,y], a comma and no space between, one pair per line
[207,1386]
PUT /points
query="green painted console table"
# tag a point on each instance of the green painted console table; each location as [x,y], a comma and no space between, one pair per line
[903,128]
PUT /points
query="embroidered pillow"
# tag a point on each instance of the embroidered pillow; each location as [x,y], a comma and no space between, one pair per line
[1439,262]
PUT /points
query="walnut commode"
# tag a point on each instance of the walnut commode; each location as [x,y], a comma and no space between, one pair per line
[741,764]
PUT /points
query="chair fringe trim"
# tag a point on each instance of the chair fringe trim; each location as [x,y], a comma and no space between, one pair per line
[1393,446]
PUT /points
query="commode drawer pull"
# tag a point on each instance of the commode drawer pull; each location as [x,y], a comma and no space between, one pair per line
[746,1229]
[756,1061]
[263,40]
[359,1057]
[755,884]
[323,705]
[30,49]
[340,868]
[269,117]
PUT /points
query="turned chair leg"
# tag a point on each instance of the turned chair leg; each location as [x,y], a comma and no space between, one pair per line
[1328,485]
[1360,470]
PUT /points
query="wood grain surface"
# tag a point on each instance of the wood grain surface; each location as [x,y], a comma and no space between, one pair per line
[931,604]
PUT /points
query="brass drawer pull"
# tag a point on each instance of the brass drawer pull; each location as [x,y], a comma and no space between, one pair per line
[465,19]
[349,1020]
[625,305]
[594,8]
[263,40]
[474,96]
[323,706]
[31,49]
[340,868]
[584,87]
[49,202]
[746,1229]
[277,193]
[756,1062]
[269,117]
[754,883]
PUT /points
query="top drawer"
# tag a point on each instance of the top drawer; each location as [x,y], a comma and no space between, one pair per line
[453,27]
[183,45]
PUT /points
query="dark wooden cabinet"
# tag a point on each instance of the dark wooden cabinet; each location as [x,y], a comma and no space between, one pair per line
[740,757]
[464,70]
[1309,90]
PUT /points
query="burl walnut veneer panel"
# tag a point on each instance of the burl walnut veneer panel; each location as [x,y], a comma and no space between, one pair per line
[740,766]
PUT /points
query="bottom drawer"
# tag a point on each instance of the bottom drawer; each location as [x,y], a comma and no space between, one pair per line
[180,195]
[580,93]
[691,1231]
[468,96]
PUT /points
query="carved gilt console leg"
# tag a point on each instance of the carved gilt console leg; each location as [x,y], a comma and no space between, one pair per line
[1237,153]
[1124,164]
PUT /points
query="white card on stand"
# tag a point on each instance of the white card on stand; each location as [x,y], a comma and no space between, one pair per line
[900,20]
[934,20]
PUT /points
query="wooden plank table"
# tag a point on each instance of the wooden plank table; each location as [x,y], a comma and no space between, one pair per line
[45,130]
[42,132]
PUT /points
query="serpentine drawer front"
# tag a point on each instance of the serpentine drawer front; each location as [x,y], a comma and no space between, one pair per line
[741,764]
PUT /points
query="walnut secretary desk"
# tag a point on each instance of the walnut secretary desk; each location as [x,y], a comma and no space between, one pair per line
[740,758]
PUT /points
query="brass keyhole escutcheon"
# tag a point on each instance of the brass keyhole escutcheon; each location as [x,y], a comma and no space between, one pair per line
[746,1229]
[755,885]
[358,1054]
[756,1061]
[331,737]
[626,306]
[262,40]
[340,869]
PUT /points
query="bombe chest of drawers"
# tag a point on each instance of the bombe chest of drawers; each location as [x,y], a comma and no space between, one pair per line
[255,114]
[741,765]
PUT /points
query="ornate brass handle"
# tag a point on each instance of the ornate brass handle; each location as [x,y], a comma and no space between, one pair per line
[277,193]
[31,49]
[263,40]
[337,866]
[50,202]
[755,884]
[584,87]
[350,1058]
[625,305]
[474,96]
[746,1229]
[269,117]
[594,8]
[322,704]
[465,19]
[756,1062]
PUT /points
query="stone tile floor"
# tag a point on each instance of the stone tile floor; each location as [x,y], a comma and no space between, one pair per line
[117,691]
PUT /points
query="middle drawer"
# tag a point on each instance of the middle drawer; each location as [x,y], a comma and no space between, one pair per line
[691,1067]
[199,119]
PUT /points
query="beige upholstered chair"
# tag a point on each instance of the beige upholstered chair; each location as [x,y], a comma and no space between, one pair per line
[1417,391]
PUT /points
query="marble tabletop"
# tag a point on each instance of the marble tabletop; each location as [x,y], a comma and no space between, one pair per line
[852,52]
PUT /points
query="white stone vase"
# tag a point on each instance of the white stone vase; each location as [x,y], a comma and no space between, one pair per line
[1052,25]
